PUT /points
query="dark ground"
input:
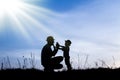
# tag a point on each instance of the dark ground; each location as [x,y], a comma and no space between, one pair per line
[87,74]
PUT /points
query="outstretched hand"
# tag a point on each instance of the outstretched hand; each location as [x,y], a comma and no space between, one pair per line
[57,45]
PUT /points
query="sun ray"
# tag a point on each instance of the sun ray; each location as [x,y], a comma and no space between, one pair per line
[29,20]
[44,15]
[36,22]
[20,27]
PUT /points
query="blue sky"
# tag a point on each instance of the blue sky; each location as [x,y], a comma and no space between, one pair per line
[61,5]
[65,5]
[91,25]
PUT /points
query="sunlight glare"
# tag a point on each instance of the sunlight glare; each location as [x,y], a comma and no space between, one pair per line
[24,18]
[10,5]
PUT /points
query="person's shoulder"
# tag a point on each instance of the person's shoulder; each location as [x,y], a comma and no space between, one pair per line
[47,46]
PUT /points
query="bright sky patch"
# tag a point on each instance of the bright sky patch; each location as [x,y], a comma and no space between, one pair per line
[7,6]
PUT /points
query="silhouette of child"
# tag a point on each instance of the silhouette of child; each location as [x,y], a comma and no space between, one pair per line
[66,56]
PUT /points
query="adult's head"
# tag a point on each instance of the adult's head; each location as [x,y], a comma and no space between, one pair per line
[50,40]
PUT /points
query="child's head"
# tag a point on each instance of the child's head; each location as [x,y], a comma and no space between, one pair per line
[67,42]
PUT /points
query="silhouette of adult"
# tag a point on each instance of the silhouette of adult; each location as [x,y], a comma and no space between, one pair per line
[48,59]
[66,50]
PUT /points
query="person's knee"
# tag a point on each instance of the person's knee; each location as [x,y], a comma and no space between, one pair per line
[60,58]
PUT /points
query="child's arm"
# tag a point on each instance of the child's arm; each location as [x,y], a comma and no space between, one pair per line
[61,47]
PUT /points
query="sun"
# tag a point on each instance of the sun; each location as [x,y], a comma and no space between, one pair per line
[7,6]
[25,18]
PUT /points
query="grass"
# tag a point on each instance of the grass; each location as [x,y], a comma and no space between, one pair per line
[93,73]
[76,74]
